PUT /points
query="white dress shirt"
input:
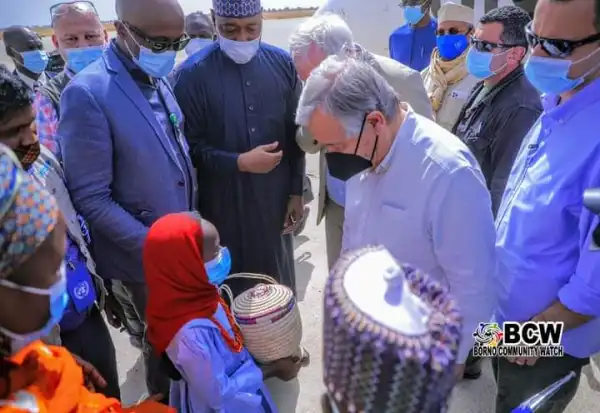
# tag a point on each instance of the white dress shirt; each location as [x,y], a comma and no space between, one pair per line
[428,204]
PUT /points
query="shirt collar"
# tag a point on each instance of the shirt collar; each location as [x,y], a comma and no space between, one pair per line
[405,132]
[134,70]
[28,81]
[562,113]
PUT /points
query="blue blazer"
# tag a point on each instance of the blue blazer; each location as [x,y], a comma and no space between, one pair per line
[121,170]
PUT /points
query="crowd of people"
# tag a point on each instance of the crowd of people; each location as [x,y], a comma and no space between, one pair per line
[131,187]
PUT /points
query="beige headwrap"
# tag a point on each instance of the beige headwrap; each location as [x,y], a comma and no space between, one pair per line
[440,73]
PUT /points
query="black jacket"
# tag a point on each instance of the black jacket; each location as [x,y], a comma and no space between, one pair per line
[494,128]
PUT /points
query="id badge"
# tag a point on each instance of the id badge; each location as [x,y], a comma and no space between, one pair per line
[80,286]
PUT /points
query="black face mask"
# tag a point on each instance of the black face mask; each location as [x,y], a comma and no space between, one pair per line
[344,166]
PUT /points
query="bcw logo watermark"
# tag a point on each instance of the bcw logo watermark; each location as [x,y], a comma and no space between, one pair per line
[528,339]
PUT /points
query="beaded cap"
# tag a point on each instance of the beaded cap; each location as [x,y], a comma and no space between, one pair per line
[237,8]
[369,365]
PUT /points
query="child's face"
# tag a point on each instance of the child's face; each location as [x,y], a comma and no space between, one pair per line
[212,246]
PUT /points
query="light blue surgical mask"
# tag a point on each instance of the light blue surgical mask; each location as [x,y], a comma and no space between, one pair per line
[156,65]
[219,268]
[551,76]
[197,44]
[413,14]
[35,61]
[479,64]
[239,52]
[80,58]
[58,299]
[450,46]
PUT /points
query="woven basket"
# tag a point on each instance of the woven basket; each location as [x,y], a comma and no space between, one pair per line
[269,319]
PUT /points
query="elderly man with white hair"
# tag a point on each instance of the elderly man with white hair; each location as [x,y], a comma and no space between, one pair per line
[412,186]
[310,44]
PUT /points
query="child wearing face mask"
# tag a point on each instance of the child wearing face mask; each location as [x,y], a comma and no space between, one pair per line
[33,297]
[191,326]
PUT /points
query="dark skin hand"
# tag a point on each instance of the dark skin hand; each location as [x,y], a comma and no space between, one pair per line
[92,378]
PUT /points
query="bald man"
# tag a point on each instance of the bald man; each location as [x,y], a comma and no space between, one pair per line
[80,39]
[26,50]
[201,30]
[131,166]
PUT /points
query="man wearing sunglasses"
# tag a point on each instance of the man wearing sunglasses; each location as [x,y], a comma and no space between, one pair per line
[239,100]
[446,79]
[503,105]
[412,43]
[79,38]
[125,156]
[543,230]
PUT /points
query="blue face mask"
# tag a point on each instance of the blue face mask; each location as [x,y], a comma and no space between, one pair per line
[156,65]
[218,268]
[551,76]
[80,58]
[58,299]
[413,14]
[239,52]
[197,44]
[479,63]
[35,61]
[450,46]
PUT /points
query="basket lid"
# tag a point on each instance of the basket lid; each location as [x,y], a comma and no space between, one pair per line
[262,300]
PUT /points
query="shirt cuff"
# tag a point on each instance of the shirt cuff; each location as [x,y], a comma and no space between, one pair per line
[580,298]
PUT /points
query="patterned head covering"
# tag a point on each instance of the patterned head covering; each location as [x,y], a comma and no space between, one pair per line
[236,8]
[391,337]
[28,214]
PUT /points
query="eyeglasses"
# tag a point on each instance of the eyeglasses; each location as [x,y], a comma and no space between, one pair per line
[557,47]
[451,31]
[485,46]
[63,8]
[160,44]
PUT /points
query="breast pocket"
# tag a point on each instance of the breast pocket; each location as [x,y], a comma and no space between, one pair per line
[391,228]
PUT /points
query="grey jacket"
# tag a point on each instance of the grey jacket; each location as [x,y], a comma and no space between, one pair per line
[494,127]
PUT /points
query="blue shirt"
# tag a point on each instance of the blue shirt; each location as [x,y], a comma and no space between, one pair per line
[215,379]
[543,229]
[336,189]
[412,46]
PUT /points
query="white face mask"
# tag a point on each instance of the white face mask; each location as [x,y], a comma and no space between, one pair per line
[197,44]
[239,52]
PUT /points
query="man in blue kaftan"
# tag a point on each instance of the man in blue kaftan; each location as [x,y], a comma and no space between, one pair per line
[239,99]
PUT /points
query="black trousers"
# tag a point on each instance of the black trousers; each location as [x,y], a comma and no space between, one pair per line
[157,380]
[518,383]
[92,342]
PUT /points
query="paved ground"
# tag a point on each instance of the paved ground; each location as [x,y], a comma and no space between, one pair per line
[302,396]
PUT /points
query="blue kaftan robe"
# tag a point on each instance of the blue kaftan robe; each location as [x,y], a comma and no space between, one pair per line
[214,378]
[230,109]
[412,46]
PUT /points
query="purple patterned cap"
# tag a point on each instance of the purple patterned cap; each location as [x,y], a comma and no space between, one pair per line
[28,213]
[390,336]
[237,8]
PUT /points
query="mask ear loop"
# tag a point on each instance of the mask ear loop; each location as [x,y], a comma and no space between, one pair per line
[360,133]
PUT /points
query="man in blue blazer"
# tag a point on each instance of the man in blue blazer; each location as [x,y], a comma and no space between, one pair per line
[125,157]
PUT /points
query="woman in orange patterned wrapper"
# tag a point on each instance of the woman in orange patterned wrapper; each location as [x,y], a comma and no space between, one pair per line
[35,377]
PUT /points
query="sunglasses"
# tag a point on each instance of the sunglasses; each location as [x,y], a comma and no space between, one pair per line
[485,46]
[62,8]
[556,47]
[160,44]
